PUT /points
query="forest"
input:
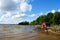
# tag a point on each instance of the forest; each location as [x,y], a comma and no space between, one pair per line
[52,18]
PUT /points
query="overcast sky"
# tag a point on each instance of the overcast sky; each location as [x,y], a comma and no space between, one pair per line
[15,11]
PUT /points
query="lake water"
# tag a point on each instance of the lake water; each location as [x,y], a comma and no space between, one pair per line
[15,31]
[19,32]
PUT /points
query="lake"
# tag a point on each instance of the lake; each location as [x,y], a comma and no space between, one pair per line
[21,32]
[15,31]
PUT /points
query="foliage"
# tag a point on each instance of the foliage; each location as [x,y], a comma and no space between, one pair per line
[40,19]
[57,18]
[52,18]
[24,23]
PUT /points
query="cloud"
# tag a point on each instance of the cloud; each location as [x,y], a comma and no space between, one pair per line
[53,11]
[36,15]
[16,1]
[0,3]
[7,5]
[32,15]
[5,17]
[25,7]
[11,10]
[12,5]
[18,16]
[59,10]
[41,13]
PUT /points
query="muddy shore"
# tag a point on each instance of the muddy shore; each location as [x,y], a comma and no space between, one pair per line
[32,36]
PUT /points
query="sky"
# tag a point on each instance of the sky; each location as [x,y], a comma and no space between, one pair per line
[15,11]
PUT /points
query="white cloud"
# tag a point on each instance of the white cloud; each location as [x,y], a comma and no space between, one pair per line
[35,15]
[11,5]
[32,15]
[59,10]
[0,3]
[8,14]
[53,11]
[0,10]
[16,1]
[5,17]
[41,13]
[18,16]
[13,10]
[25,7]
[8,5]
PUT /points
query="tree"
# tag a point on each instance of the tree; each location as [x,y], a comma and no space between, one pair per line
[49,18]
[41,19]
[23,23]
[57,18]
[34,22]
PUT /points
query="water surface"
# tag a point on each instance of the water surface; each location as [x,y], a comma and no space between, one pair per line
[22,32]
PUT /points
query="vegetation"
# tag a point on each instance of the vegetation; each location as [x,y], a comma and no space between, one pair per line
[52,18]
[24,23]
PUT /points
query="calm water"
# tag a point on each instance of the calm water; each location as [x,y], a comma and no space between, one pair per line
[20,32]
[15,31]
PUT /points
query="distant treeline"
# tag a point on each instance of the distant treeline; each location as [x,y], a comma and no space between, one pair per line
[24,23]
[52,18]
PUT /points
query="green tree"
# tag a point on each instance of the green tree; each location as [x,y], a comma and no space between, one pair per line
[49,18]
[41,19]
[34,22]
[57,18]
[23,23]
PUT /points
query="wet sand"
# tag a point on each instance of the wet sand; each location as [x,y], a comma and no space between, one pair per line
[31,36]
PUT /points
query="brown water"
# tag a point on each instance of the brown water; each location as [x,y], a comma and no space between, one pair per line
[20,32]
